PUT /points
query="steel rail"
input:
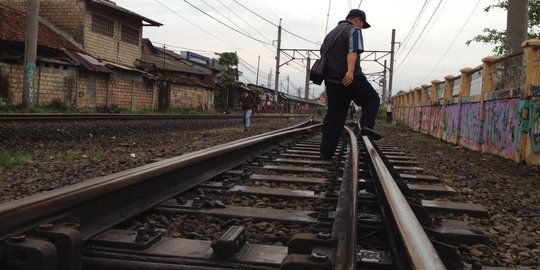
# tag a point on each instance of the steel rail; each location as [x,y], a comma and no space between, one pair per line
[130,192]
[422,254]
[33,117]
[346,220]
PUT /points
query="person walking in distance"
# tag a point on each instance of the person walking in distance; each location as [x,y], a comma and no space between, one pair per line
[247,102]
[345,81]
[389,112]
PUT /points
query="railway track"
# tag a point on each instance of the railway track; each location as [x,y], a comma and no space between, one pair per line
[264,202]
[55,117]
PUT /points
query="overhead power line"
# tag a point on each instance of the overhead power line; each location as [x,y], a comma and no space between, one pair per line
[425,26]
[224,24]
[194,24]
[263,18]
[455,38]
[413,27]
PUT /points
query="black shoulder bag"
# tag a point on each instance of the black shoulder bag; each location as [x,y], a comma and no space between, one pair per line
[317,74]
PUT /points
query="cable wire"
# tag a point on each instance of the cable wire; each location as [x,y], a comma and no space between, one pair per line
[413,27]
[192,23]
[419,35]
[226,25]
[448,49]
[283,29]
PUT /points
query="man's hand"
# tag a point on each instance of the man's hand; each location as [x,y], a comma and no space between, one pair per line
[348,79]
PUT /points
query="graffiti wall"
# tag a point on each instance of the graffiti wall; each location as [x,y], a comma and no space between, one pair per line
[535,125]
[501,131]
[436,125]
[426,120]
[451,123]
[471,125]
[417,118]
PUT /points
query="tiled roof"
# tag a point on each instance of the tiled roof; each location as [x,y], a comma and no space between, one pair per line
[13,29]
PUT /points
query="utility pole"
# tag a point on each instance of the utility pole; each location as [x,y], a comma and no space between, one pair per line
[258,65]
[270,78]
[391,79]
[288,84]
[30,52]
[516,25]
[278,52]
[384,84]
[308,70]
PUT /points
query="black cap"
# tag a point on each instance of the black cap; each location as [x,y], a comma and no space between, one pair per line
[361,14]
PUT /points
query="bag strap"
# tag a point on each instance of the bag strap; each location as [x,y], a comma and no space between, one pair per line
[334,40]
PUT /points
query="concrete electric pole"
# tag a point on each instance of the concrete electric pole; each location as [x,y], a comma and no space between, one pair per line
[278,53]
[30,52]
[516,25]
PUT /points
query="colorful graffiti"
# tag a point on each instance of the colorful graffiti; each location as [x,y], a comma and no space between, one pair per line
[417,118]
[30,74]
[471,125]
[425,123]
[501,131]
[451,123]
[436,121]
[535,126]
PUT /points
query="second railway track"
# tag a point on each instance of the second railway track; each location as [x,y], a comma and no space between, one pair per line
[264,202]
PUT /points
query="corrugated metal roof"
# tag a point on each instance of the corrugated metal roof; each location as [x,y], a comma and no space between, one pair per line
[88,62]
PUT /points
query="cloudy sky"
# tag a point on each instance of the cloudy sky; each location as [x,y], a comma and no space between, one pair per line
[431,34]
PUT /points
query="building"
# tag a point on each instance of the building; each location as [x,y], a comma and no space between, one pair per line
[90,55]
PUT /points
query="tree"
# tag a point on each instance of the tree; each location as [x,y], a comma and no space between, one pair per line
[227,80]
[498,37]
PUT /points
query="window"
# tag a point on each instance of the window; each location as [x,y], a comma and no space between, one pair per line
[130,35]
[102,25]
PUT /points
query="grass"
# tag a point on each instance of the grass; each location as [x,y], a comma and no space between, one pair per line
[8,158]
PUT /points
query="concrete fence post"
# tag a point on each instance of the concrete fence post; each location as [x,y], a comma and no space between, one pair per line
[448,88]
[466,80]
[530,116]
[424,98]
[531,50]
[417,95]
[435,90]
[489,75]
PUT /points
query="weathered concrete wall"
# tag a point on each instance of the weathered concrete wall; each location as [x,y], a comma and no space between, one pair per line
[503,120]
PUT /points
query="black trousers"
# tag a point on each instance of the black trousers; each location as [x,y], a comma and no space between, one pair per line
[339,97]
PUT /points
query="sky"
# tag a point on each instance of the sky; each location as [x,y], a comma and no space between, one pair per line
[429,44]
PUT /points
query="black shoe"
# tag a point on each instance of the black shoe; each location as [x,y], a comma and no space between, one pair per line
[246,129]
[372,134]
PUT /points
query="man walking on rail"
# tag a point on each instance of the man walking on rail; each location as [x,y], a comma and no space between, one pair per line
[247,102]
[345,81]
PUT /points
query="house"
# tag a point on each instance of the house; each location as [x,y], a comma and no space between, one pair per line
[90,55]
[184,84]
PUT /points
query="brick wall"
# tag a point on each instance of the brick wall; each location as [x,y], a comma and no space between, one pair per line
[14,75]
[75,18]
[66,14]
[52,83]
[190,98]
[131,92]
[111,48]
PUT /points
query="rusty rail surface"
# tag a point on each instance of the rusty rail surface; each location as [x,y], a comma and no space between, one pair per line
[421,252]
